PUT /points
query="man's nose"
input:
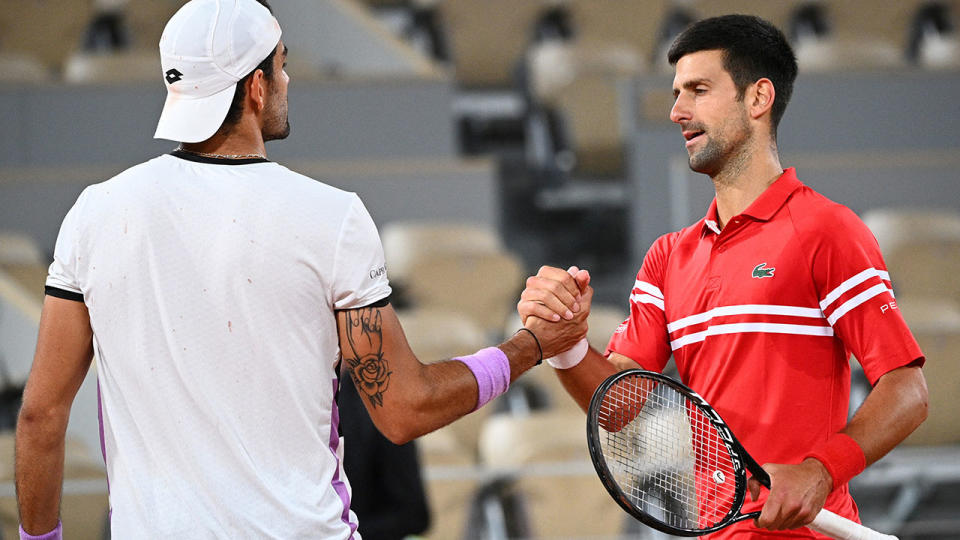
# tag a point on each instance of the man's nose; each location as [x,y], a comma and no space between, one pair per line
[680,111]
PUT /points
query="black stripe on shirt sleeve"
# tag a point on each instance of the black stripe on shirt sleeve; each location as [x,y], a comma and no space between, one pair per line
[383,302]
[66,295]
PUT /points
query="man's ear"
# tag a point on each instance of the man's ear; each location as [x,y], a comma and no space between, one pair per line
[257,90]
[761,95]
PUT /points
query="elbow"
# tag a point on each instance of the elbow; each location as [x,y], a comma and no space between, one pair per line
[913,397]
[401,439]
[411,413]
[41,423]
[399,433]
[32,415]
[922,402]
[400,423]
[409,420]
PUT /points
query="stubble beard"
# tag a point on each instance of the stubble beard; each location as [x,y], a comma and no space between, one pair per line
[278,127]
[278,130]
[709,158]
[277,135]
[721,151]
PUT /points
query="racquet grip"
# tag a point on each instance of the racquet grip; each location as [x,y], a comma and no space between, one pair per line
[841,528]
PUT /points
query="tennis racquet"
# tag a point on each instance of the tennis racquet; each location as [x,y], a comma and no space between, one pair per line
[670,461]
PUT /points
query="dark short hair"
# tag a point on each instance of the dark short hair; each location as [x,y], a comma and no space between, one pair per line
[752,49]
[236,106]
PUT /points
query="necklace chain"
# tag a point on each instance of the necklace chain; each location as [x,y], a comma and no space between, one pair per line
[221,156]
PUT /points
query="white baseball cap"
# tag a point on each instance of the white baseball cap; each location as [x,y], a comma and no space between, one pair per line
[206,47]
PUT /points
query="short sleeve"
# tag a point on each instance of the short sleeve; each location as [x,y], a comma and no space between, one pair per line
[857,297]
[64,271]
[360,274]
[643,336]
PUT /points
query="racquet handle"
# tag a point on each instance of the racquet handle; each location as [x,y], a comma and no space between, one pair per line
[840,528]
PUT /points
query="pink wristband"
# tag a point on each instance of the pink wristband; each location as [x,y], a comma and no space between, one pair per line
[842,457]
[491,368]
[55,534]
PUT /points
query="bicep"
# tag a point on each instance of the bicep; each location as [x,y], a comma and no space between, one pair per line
[375,352]
[63,356]
[622,362]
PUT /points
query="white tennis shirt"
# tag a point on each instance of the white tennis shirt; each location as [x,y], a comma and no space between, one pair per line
[211,290]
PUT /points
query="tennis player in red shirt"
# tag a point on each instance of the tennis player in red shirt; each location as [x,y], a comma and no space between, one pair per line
[762,301]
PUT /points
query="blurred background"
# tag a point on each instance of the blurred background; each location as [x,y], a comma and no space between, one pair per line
[489,137]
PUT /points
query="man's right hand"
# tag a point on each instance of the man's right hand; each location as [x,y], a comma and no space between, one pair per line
[553,294]
[555,306]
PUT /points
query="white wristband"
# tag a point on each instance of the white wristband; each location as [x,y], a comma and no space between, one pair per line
[567,360]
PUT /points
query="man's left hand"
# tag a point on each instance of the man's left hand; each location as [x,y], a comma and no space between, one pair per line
[797,493]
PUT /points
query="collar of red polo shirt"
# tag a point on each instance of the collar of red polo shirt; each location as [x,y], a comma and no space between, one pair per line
[764,207]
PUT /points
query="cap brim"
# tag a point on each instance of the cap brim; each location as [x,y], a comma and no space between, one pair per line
[192,120]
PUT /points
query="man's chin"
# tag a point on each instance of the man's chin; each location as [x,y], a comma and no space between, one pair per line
[697,165]
[706,160]
[701,167]
[278,135]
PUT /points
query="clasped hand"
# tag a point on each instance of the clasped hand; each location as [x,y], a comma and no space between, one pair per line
[555,305]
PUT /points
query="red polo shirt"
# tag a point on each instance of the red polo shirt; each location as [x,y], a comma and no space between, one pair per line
[762,317]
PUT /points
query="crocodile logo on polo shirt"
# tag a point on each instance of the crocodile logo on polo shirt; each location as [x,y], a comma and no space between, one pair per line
[760,272]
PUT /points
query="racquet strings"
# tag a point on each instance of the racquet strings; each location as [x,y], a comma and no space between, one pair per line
[665,454]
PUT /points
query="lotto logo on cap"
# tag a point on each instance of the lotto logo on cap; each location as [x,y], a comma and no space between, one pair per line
[206,47]
[173,76]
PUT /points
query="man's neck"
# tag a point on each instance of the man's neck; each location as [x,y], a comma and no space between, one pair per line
[238,142]
[741,183]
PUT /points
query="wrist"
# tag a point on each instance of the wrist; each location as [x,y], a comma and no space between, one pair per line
[824,482]
[523,350]
[536,342]
[570,358]
[842,458]
[491,369]
[55,534]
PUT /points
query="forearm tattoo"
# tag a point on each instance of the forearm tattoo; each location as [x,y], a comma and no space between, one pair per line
[365,361]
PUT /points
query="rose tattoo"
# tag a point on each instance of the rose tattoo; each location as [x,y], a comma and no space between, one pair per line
[368,368]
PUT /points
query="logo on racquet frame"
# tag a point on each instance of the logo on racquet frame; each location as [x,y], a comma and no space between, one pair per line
[726,435]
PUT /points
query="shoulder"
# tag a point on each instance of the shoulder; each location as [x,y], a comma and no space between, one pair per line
[149,168]
[676,242]
[324,201]
[155,170]
[310,187]
[667,242]
[657,257]
[827,228]
[815,216]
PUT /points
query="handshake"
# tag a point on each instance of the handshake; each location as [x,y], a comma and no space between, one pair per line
[554,306]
